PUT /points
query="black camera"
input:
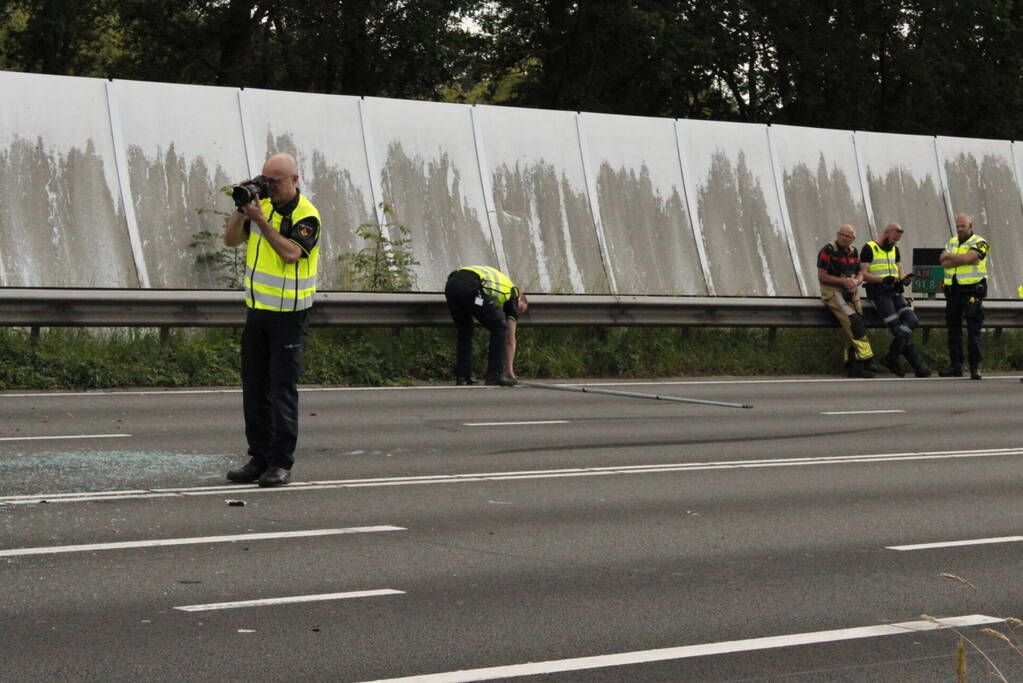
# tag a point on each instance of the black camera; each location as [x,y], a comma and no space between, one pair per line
[249,192]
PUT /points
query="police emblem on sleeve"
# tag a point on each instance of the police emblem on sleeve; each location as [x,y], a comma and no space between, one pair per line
[304,231]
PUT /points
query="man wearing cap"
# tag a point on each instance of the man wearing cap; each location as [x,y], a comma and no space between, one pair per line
[881,266]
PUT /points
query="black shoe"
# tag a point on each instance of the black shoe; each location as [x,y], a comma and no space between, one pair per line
[951,372]
[893,365]
[465,382]
[275,476]
[251,472]
[975,373]
[501,382]
[922,371]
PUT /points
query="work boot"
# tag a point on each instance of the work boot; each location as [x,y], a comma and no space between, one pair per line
[975,372]
[951,372]
[920,368]
[892,363]
[499,381]
[275,476]
[858,368]
[250,472]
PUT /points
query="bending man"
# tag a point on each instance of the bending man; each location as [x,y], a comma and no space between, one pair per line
[489,296]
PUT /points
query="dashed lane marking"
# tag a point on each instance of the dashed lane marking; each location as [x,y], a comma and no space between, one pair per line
[56,549]
[508,424]
[289,600]
[956,544]
[689,651]
[68,436]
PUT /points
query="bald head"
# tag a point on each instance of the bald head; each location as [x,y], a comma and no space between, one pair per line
[892,233]
[964,225]
[280,164]
[282,171]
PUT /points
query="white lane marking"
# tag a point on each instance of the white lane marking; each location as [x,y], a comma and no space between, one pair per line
[504,424]
[688,651]
[861,412]
[956,544]
[55,549]
[30,499]
[289,600]
[70,436]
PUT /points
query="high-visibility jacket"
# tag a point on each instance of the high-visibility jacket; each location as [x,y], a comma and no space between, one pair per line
[969,274]
[495,283]
[884,263]
[270,283]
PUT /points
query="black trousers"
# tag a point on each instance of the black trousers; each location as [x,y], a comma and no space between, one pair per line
[466,301]
[957,308]
[271,362]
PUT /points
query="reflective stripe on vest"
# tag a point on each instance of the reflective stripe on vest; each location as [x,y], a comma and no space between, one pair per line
[969,274]
[884,263]
[495,282]
[270,283]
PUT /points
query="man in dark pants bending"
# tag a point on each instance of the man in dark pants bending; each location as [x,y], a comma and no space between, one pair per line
[489,296]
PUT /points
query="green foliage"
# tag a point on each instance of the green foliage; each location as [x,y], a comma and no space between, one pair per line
[226,263]
[89,359]
[384,264]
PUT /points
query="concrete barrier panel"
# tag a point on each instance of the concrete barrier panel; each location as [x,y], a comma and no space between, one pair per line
[736,200]
[324,134]
[904,186]
[182,143]
[982,182]
[642,207]
[424,156]
[61,218]
[542,208]
[820,181]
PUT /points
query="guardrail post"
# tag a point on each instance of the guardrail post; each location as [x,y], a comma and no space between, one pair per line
[683,335]
[34,334]
[927,336]
[772,338]
[164,337]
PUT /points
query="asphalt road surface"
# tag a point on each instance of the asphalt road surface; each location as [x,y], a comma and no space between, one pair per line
[478,533]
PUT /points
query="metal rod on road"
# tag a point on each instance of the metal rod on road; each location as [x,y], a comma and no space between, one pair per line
[630,394]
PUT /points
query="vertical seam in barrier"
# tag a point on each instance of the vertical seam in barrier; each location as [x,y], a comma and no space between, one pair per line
[1015,171]
[946,192]
[694,217]
[861,170]
[375,187]
[496,238]
[247,138]
[786,221]
[124,181]
[591,196]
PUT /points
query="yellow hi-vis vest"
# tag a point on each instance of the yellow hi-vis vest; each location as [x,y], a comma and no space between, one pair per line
[884,263]
[495,283]
[270,283]
[969,274]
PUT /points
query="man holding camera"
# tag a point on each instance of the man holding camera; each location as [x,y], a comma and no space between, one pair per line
[282,230]
[965,285]
[881,266]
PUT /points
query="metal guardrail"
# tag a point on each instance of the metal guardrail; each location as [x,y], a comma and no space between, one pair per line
[219,308]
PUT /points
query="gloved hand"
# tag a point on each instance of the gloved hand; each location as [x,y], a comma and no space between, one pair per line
[908,279]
